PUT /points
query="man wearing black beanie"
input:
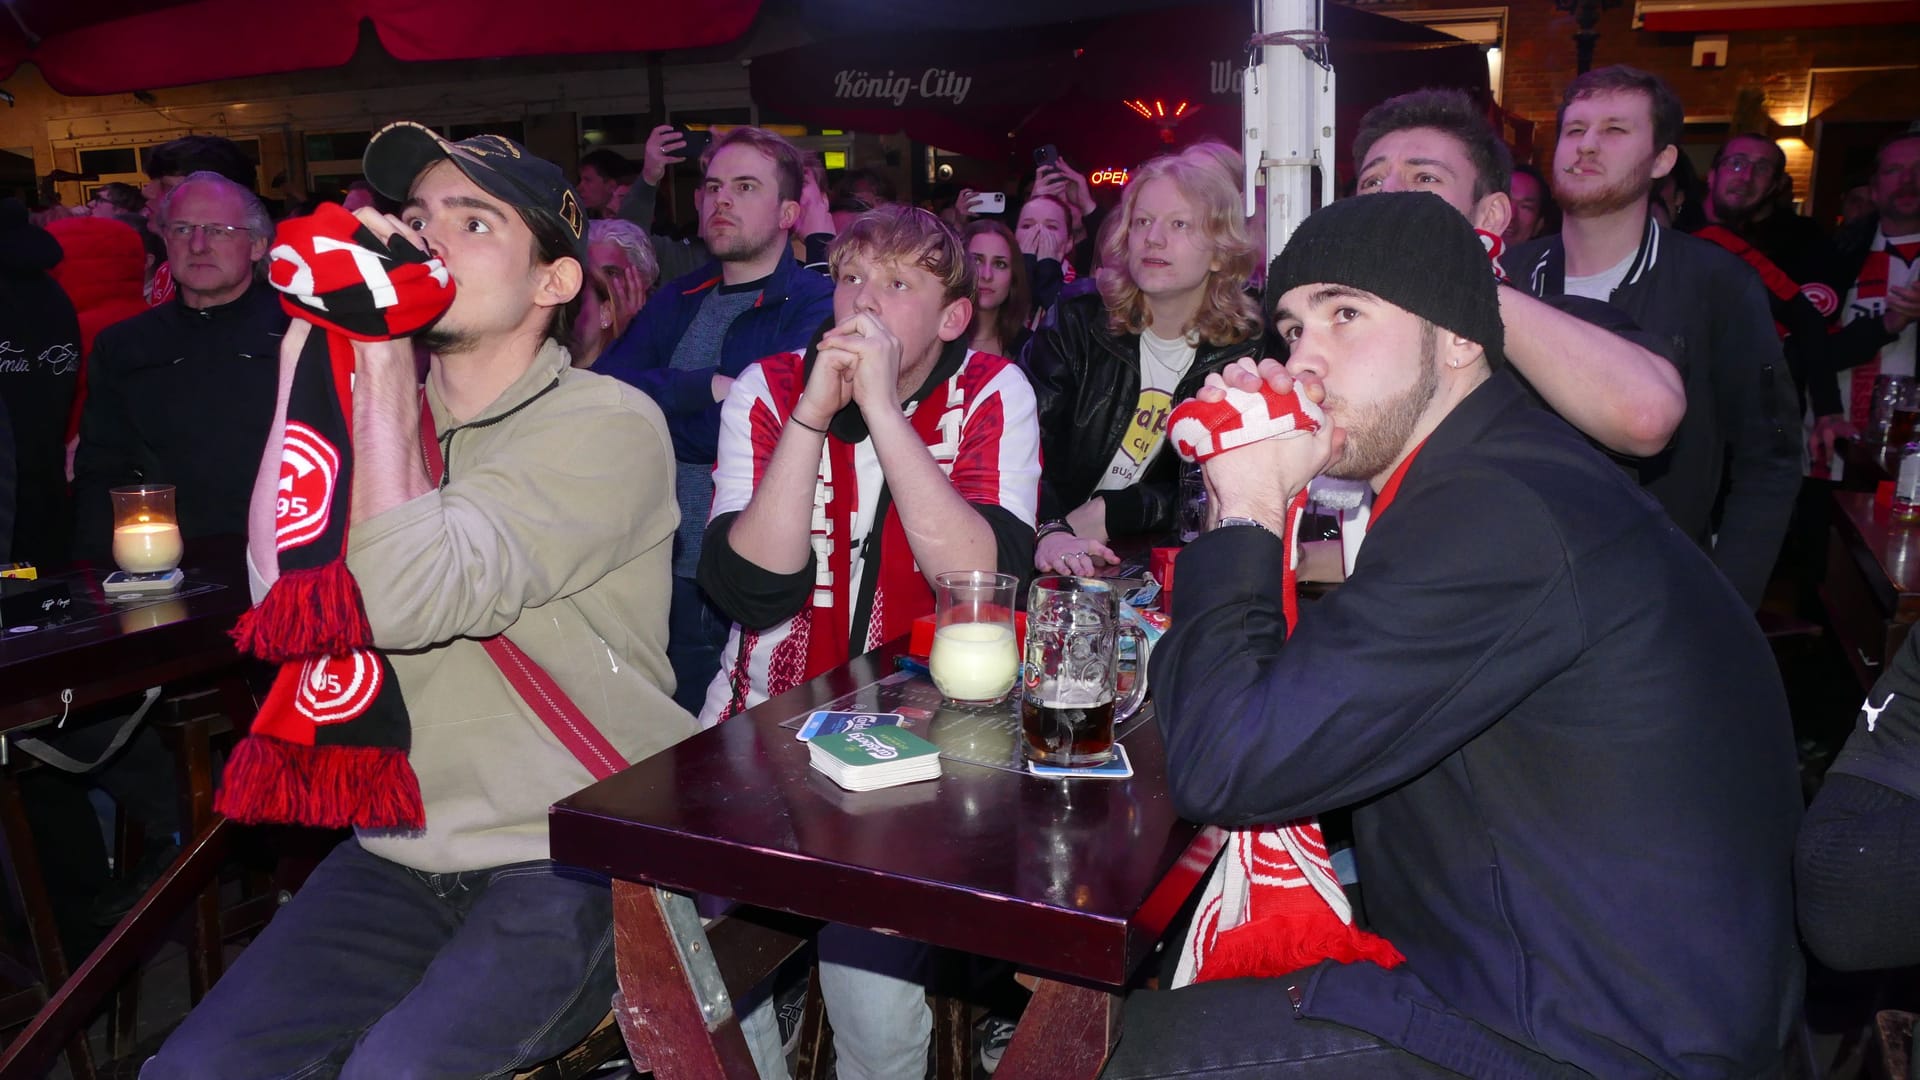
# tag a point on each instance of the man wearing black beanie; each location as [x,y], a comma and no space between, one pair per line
[1563,739]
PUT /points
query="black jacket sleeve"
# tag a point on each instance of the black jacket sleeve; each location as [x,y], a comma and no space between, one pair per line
[1857,342]
[1393,671]
[1087,252]
[1012,541]
[816,245]
[1044,279]
[110,452]
[1857,875]
[1147,505]
[1760,410]
[744,591]
[1807,346]
[1857,862]
[1049,363]
[639,205]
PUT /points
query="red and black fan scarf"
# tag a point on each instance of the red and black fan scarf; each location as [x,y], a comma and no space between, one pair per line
[329,746]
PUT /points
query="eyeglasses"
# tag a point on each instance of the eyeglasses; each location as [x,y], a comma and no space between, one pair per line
[183,231]
[1740,163]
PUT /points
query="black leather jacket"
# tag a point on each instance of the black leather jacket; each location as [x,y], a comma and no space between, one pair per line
[1086,383]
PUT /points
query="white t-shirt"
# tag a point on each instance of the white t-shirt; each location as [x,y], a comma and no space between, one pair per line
[1163,362]
[1600,286]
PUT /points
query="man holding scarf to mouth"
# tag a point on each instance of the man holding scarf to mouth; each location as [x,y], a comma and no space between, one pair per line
[428,564]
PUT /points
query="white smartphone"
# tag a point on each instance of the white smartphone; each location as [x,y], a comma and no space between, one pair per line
[988,202]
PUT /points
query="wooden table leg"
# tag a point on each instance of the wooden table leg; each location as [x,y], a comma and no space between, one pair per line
[194,751]
[675,1012]
[1065,1032]
[952,1016]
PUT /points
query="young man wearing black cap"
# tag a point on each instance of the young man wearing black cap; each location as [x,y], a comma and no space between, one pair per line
[459,950]
[1569,755]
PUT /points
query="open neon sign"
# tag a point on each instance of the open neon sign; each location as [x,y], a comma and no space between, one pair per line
[1107,177]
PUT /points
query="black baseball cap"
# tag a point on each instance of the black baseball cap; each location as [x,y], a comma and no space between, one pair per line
[398,153]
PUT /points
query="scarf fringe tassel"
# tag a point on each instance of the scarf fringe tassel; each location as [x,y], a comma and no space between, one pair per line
[1282,943]
[307,613]
[271,781]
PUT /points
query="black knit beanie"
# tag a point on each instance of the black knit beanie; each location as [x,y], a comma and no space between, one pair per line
[1409,248]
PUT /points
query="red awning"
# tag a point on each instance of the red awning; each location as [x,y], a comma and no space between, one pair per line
[1696,16]
[116,46]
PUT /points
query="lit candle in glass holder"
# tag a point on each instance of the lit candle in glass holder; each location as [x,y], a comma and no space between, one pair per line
[146,529]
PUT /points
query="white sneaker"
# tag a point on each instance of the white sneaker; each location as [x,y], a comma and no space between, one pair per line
[993,1034]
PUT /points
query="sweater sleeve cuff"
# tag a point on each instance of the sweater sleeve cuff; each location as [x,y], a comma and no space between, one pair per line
[1227,566]
[1013,540]
[747,592]
[1125,510]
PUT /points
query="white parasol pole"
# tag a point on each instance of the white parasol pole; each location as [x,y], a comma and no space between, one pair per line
[1287,104]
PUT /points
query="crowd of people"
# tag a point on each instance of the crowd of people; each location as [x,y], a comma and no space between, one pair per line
[682,477]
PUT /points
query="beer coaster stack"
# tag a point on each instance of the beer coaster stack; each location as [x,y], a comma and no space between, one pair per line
[875,758]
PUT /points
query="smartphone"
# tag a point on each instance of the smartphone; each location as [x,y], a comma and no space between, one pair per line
[697,142]
[1046,156]
[988,202]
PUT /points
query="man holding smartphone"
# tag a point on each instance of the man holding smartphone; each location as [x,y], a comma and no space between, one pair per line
[702,329]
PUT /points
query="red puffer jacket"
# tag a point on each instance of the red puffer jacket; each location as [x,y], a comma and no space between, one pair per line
[103,273]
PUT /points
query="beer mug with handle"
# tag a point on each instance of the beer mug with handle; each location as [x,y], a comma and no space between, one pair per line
[1070,679]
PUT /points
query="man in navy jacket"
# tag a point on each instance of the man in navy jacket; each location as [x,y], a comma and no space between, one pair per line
[1564,739]
[698,333]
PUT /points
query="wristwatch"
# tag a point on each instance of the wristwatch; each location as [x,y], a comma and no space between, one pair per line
[1255,522]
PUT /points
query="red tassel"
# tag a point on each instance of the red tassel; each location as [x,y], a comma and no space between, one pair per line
[274,782]
[1282,943]
[308,613]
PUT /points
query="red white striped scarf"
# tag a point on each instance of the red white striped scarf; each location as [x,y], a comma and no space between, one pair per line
[1870,289]
[1273,904]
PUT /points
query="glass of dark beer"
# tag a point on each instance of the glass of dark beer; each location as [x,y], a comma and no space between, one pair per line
[1068,685]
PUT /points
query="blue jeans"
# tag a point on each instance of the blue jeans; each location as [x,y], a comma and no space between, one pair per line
[1245,1028]
[874,988]
[378,971]
[696,636]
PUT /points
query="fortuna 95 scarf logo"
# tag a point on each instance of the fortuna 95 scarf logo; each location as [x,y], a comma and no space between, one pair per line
[309,469]
[335,689]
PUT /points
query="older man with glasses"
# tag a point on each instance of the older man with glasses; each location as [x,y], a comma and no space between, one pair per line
[184,393]
[180,394]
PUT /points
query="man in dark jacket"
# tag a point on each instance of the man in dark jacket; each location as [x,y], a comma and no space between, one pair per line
[1796,261]
[1566,744]
[39,368]
[1619,129]
[698,333]
[184,393]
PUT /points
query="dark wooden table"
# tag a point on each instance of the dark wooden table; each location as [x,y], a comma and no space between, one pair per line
[94,651]
[1072,880]
[102,649]
[1871,587]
